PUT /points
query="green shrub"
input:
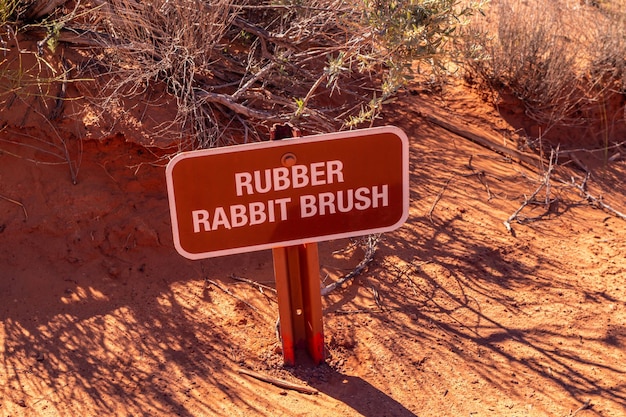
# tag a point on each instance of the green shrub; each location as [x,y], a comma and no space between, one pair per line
[9,10]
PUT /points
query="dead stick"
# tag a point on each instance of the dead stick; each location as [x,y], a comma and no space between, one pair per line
[586,405]
[554,155]
[227,291]
[348,248]
[371,247]
[507,222]
[595,200]
[605,206]
[443,189]
[279,382]
[361,311]
[481,177]
[251,282]
[545,183]
[481,138]
[16,202]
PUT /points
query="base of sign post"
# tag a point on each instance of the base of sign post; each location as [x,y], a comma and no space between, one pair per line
[296,269]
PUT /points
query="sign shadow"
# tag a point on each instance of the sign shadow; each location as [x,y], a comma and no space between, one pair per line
[360,395]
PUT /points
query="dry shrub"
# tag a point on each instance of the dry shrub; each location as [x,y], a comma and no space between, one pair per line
[162,41]
[235,67]
[608,53]
[238,66]
[561,58]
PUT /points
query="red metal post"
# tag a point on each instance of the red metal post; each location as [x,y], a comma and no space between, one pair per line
[296,270]
[312,299]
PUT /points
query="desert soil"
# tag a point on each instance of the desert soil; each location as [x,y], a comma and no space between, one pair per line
[455,315]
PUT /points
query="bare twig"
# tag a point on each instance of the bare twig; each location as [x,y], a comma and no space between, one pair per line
[10,200]
[262,72]
[251,282]
[377,298]
[227,291]
[507,222]
[60,150]
[481,177]
[371,245]
[261,32]
[58,106]
[360,311]
[443,189]
[227,101]
[449,123]
[545,183]
[597,201]
[302,107]
[305,389]
[586,405]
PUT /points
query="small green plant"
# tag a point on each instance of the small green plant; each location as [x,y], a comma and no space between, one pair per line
[410,34]
[418,29]
[8,10]
[300,107]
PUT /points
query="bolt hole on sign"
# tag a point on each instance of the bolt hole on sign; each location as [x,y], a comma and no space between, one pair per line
[263,195]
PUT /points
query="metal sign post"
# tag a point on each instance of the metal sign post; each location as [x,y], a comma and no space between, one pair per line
[296,271]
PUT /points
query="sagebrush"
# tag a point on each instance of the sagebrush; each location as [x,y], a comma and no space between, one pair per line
[237,66]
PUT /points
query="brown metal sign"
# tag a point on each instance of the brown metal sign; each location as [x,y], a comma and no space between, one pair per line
[264,195]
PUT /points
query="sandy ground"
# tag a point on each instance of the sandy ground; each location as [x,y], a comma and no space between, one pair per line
[455,316]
